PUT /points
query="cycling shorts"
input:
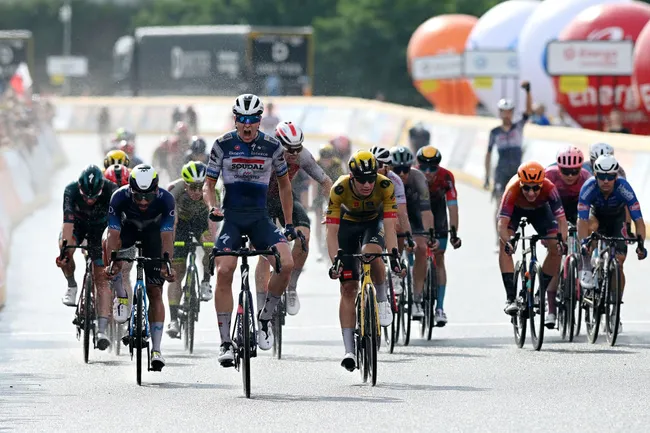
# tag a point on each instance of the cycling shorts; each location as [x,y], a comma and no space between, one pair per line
[352,236]
[258,226]
[300,217]
[542,220]
[92,234]
[612,224]
[151,247]
[415,215]
[440,222]
[501,179]
[198,226]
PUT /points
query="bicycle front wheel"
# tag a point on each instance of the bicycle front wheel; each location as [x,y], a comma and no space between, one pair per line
[520,319]
[571,294]
[613,302]
[433,294]
[247,326]
[373,332]
[139,333]
[88,314]
[392,330]
[406,303]
[537,310]
[278,318]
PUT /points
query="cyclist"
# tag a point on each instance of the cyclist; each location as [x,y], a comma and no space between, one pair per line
[342,147]
[419,137]
[384,162]
[298,158]
[191,215]
[333,169]
[605,198]
[85,209]
[246,157]
[118,174]
[585,165]
[598,149]
[144,212]
[354,223]
[116,157]
[197,151]
[128,147]
[530,194]
[443,196]
[420,217]
[508,140]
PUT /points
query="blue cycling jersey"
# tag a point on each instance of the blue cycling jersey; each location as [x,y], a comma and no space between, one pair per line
[586,165]
[246,169]
[509,144]
[123,210]
[622,195]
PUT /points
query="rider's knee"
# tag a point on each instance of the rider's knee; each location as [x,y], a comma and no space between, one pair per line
[154,292]
[287,264]
[349,290]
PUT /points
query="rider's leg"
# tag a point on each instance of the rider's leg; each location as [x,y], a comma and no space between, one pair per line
[70,297]
[507,266]
[262,275]
[419,268]
[174,294]
[278,281]
[104,303]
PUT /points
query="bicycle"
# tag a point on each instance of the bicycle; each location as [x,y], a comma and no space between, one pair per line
[403,307]
[244,332]
[138,337]
[569,294]
[430,294]
[530,303]
[85,314]
[280,313]
[368,328]
[188,313]
[606,297]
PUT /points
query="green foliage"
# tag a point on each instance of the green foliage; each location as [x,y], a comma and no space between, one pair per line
[360,44]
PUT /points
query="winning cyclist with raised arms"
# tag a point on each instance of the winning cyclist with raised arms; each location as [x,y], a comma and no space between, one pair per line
[246,157]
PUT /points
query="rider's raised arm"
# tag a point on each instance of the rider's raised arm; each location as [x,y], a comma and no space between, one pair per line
[214,170]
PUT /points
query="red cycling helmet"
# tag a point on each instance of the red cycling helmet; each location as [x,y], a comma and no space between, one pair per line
[118,174]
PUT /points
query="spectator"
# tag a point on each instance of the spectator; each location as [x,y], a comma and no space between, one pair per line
[192,120]
[177,116]
[104,128]
[615,123]
[539,115]
[270,120]
[563,118]
[380,97]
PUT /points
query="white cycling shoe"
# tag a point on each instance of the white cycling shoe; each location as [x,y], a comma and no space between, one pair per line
[385,313]
[206,291]
[549,322]
[417,311]
[587,280]
[293,302]
[264,334]
[70,297]
[157,361]
[349,362]
[103,342]
[226,355]
[121,310]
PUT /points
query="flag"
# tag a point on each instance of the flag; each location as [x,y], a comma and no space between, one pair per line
[21,80]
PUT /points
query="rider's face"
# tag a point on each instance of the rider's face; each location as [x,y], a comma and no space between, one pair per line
[247,127]
[364,186]
[506,115]
[569,175]
[606,182]
[530,191]
[194,190]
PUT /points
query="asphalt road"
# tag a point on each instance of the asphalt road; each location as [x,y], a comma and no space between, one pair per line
[470,377]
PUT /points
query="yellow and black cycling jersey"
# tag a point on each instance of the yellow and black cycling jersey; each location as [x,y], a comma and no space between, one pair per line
[345,204]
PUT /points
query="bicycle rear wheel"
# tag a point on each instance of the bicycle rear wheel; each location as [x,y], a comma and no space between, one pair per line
[372,332]
[613,302]
[433,294]
[593,313]
[573,305]
[406,304]
[426,306]
[88,314]
[520,319]
[538,310]
[278,318]
[139,333]
[362,339]
[392,330]
[247,325]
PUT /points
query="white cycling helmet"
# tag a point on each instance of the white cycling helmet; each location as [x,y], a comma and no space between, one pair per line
[598,149]
[144,178]
[401,155]
[289,134]
[248,105]
[505,104]
[606,164]
[381,154]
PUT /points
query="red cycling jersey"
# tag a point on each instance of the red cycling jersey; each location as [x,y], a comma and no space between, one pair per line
[514,198]
[443,186]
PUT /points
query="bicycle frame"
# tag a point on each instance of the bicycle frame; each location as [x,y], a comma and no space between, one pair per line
[139,290]
[366,279]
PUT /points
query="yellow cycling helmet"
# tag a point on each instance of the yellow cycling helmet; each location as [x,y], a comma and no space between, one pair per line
[326,151]
[362,164]
[116,157]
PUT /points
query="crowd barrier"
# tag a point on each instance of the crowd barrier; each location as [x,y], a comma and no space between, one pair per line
[24,186]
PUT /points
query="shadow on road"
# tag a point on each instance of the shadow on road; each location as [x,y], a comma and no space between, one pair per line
[285,398]
[179,385]
[422,387]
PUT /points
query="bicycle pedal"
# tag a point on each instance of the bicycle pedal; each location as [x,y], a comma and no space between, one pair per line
[125,340]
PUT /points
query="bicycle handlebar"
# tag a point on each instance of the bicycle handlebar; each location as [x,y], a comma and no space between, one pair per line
[193,243]
[597,236]
[247,252]
[364,257]
[164,260]
[65,247]
[409,238]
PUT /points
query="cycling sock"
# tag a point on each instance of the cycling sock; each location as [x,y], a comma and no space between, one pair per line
[102,323]
[173,312]
[381,292]
[71,281]
[224,326]
[293,281]
[269,307]
[117,286]
[551,301]
[206,275]
[586,263]
[418,297]
[509,284]
[348,339]
[441,297]
[261,299]
[546,279]
[156,335]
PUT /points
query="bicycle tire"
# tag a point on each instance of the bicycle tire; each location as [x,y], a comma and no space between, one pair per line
[193,315]
[519,321]
[562,304]
[246,343]
[572,287]
[277,329]
[88,315]
[593,313]
[391,335]
[537,329]
[613,301]
[407,289]
[425,301]
[579,308]
[138,336]
[362,339]
[433,294]
[373,322]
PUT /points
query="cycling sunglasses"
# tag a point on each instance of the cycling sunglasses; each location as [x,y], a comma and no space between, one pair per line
[248,120]
[428,168]
[533,188]
[293,151]
[146,196]
[401,169]
[371,178]
[606,176]
[570,171]
[90,197]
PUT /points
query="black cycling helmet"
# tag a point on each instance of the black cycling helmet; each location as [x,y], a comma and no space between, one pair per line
[428,155]
[198,145]
[419,136]
[91,181]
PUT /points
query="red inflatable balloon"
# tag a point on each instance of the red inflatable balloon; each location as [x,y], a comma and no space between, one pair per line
[641,77]
[606,22]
